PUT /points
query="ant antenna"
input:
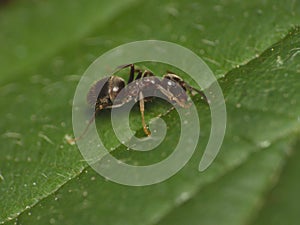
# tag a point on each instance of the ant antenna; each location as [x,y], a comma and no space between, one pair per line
[190,88]
[72,141]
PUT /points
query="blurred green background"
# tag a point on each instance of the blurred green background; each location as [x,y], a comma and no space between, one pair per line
[251,46]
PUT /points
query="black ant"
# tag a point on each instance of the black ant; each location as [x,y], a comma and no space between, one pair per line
[171,85]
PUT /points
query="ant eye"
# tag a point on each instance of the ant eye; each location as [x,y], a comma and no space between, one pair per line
[115,89]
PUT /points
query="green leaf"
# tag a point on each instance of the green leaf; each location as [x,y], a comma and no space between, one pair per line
[281,204]
[234,197]
[46,180]
[32,31]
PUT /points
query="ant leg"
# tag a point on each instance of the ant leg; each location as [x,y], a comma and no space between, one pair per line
[147,74]
[73,140]
[124,66]
[132,71]
[140,74]
[131,75]
[171,97]
[190,88]
[142,109]
[114,106]
[185,85]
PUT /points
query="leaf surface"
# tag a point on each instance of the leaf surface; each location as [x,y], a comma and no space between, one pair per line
[39,168]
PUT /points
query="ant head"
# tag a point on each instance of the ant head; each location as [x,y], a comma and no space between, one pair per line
[116,84]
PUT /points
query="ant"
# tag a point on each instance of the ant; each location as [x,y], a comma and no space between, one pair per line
[110,96]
